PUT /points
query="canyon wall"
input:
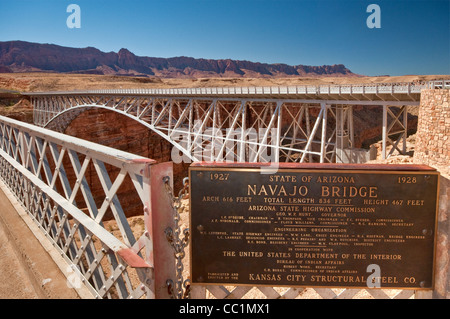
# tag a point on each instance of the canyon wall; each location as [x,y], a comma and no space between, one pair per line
[21,56]
[118,131]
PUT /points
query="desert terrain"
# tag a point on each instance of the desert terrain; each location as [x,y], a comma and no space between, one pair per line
[38,82]
[13,105]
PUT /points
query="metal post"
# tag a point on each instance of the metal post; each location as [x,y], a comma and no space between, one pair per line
[313,133]
[405,125]
[158,218]
[350,124]
[384,132]
[243,133]
[308,128]
[278,135]
[339,134]
[324,109]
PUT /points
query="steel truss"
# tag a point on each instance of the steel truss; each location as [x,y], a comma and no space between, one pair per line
[394,131]
[236,129]
[52,176]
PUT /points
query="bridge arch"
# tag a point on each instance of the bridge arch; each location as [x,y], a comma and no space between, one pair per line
[211,129]
[116,129]
[62,120]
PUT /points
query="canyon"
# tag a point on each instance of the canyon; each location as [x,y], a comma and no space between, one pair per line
[21,56]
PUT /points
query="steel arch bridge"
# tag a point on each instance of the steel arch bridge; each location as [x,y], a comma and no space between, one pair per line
[247,124]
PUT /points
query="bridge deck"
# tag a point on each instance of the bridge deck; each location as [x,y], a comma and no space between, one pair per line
[407,91]
[356,92]
[26,269]
[14,282]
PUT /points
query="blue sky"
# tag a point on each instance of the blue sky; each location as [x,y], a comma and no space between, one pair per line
[414,37]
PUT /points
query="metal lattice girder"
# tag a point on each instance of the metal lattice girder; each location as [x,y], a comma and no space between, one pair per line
[243,124]
[239,292]
[404,91]
[222,130]
[394,131]
[47,172]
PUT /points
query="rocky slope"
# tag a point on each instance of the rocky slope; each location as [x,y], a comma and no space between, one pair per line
[20,56]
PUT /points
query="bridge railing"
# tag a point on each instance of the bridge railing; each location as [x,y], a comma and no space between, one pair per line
[441,84]
[78,194]
[330,89]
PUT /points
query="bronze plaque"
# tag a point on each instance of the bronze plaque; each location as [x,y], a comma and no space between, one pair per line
[313,227]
